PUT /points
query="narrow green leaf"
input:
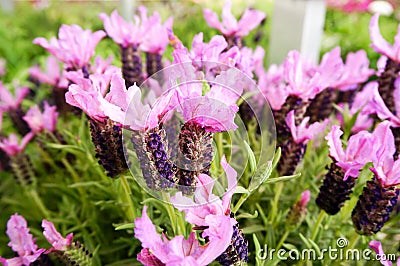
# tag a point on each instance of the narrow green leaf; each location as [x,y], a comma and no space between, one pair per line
[247,215]
[125,226]
[262,174]
[241,190]
[253,229]
[258,248]
[252,157]
[282,178]
[277,156]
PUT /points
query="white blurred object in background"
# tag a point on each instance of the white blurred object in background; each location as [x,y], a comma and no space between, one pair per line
[381,7]
[296,25]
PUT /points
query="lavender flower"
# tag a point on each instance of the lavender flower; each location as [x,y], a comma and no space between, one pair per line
[12,105]
[21,242]
[293,149]
[232,29]
[337,186]
[179,251]
[207,210]
[39,121]
[74,46]
[380,194]
[298,211]
[377,247]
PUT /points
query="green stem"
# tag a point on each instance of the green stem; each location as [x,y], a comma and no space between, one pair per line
[240,202]
[317,225]
[283,238]
[131,213]
[353,240]
[274,208]
[39,203]
[171,214]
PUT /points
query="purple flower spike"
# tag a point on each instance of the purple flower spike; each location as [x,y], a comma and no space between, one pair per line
[22,242]
[39,121]
[229,25]
[55,238]
[380,45]
[74,46]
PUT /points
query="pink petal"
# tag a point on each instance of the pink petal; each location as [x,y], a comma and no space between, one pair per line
[377,247]
[229,22]
[54,237]
[335,144]
[249,21]
[145,231]
[232,182]
[212,19]
[383,143]
[220,234]
[379,44]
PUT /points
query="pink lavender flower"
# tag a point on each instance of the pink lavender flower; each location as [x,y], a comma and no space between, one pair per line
[180,251]
[208,110]
[12,146]
[55,238]
[378,106]
[21,242]
[358,152]
[155,39]
[355,71]
[380,45]
[349,6]
[361,107]
[9,101]
[74,46]
[377,247]
[305,198]
[121,31]
[229,25]
[272,86]
[205,204]
[103,66]
[52,74]
[87,95]
[304,132]
[298,73]
[386,169]
[39,121]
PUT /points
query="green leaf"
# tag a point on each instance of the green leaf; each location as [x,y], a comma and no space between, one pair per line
[252,157]
[305,240]
[282,178]
[277,156]
[258,248]
[253,229]
[125,226]
[262,174]
[247,215]
[241,190]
